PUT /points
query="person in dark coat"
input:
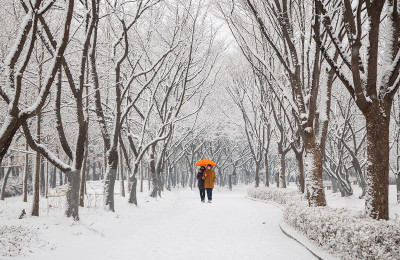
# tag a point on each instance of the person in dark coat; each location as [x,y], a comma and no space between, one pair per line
[200,183]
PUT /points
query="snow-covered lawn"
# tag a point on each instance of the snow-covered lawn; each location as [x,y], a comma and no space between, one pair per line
[178,226]
[353,202]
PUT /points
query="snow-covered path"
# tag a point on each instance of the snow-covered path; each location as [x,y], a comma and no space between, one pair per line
[178,226]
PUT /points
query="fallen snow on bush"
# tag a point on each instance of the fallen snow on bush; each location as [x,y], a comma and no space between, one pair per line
[18,240]
[349,234]
[14,187]
[281,196]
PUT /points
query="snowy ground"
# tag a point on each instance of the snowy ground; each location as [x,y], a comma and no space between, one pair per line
[335,200]
[353,202]
[177,226]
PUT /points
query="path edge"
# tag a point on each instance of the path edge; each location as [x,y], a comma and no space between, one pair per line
[298,237]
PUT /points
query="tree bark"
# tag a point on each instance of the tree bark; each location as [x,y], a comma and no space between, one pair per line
[132,194]
[398,187]
[266,169]
[47,178]
[72,194]
[300,172]
[121,173]
[4,184]
[109,179]
[257,176]
[153,174]
[282,174]
[83,174]
[377,171]
[141,176]
[26,174]
[36,191]
[42,178]
[313,169]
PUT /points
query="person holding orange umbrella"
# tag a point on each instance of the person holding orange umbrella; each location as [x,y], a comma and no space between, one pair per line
[200,183]
[209,179]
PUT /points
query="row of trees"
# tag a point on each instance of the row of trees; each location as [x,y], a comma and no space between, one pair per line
[304,56]
[129,71]
[120,87]
[113,91]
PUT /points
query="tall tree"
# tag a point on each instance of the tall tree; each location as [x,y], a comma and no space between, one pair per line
[372,82]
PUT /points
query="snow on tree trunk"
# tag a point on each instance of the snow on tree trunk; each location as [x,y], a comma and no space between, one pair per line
[83,174]
[72,194]
[109,179]
[153,174]
[313,171]
[377,168]
[282,175]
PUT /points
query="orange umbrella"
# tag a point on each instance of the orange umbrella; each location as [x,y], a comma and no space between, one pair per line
[205,162]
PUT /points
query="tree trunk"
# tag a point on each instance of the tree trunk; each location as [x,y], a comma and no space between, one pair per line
[191,177]
[54,178]
[153,174]
[313,169]
[61,179]
[121,173]
[47,178]
[3,186]
[266,169]
[141,176]
[42,178]
[257,177]
[35,206]
[361,179]
[300,172]
[26,174]
[83,174]
[72,194]
[109,179]
[398,187]
[334,185]
[132,194]
[377,175]
[133,183]
[282,174]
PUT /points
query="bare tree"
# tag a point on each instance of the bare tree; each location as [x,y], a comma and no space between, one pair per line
[372,84]
[16,65]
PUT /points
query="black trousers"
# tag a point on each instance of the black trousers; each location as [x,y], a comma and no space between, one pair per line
[209,193]
[202,194]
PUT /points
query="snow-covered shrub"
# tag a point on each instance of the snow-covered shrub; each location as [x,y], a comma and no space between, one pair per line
[17,240]
[278,195]
[14,187]
[346,233]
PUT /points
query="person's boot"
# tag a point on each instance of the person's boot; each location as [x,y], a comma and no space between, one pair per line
[209,201]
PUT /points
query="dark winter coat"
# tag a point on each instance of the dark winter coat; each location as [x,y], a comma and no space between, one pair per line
[200,182]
